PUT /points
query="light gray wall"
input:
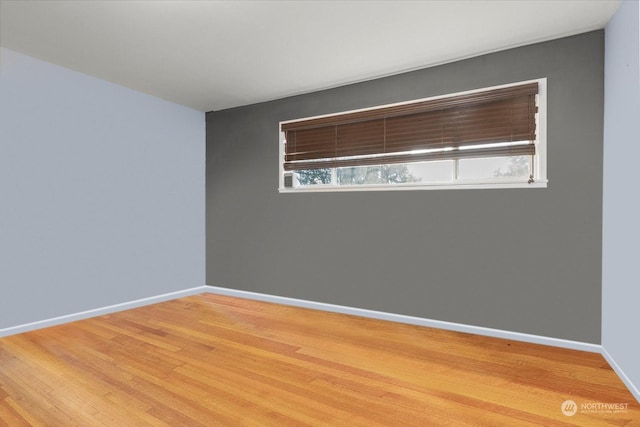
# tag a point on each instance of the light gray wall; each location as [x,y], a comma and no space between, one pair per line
[621,232]
[101,193]
[526,260]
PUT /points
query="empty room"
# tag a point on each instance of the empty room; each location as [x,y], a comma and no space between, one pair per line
[319,213]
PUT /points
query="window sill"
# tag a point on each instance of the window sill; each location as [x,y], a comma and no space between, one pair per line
[457,186]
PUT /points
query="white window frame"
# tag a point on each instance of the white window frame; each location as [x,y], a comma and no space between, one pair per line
[539,163]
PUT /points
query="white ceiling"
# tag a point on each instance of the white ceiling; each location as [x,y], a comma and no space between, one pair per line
[211,55]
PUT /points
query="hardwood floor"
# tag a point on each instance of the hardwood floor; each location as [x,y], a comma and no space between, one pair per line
[214,360]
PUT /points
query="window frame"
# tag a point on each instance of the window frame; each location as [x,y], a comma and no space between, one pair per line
[538,164]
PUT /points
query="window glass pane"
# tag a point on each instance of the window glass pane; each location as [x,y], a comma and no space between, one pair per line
[494,167]
[358,175]
[436,171]
[398,173]
[379,174]
[312,177]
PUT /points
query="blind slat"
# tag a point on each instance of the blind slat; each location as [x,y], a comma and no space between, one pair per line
[494,116]
[417,107]
[516,150]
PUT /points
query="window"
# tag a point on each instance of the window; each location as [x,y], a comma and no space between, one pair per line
[488,138]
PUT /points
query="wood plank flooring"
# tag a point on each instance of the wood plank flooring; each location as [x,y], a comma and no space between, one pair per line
[210,360]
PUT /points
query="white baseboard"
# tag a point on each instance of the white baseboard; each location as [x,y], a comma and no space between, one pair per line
[101,311]
[458,327]
[625,379]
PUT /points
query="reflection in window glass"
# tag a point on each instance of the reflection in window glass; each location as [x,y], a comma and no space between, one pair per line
[379,174]
[398,174]
[494,167]
[436,171]
[358,175]
[313,177]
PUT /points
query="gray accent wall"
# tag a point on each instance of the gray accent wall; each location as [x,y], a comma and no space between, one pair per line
[621,232]
[524,260]
[101,193]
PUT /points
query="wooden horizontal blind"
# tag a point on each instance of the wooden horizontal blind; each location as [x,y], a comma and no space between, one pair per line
[455,127]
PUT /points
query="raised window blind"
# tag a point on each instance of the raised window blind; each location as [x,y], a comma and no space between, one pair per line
[492,123]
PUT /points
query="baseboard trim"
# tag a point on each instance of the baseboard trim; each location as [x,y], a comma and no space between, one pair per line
[101,311]
[458,327]
[618,370]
